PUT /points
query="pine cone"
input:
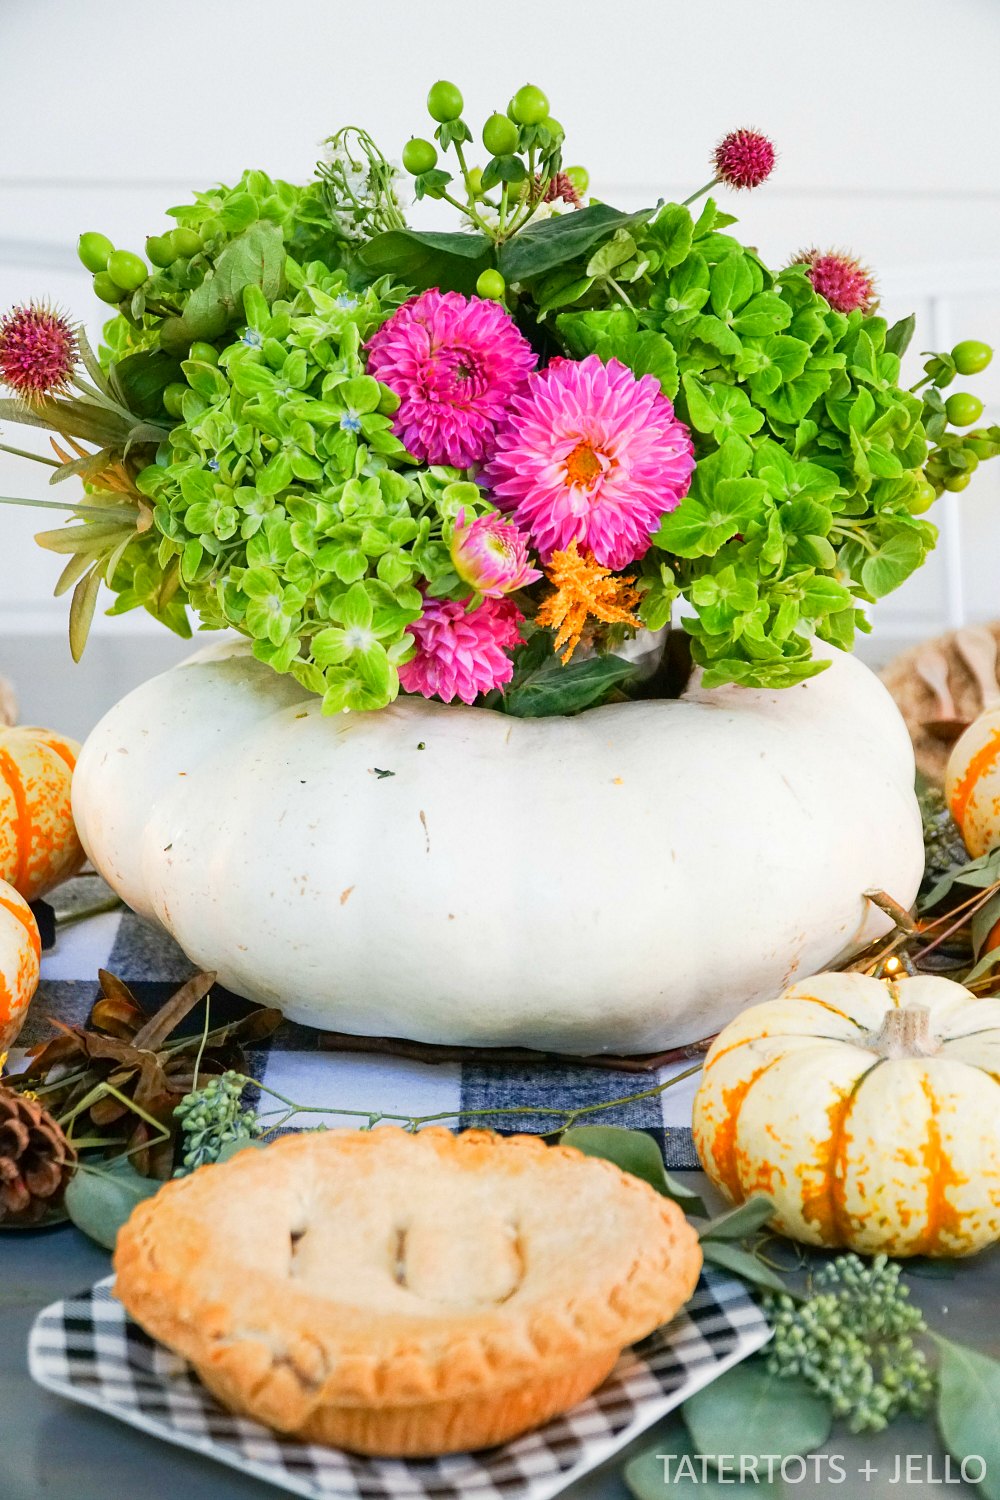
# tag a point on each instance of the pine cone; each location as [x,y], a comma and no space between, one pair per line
[36,1160]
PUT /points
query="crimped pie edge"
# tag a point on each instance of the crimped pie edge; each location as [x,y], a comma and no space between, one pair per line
[285,1388]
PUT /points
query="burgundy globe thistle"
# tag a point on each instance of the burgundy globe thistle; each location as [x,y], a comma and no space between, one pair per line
[844,282]
[38,351]
[561,186]
[744,159]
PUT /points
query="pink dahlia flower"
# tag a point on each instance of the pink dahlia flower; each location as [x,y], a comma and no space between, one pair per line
[491,554]
[461,653]
[590,454]
[744,159]
[843,281]
[454,362]
[38,351]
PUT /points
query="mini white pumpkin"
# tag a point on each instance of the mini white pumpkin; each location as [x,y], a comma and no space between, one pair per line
[622,880]
[868,1110]
[972,783]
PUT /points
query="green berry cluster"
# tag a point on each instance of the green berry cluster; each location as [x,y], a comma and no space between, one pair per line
[852,1341]
[957,454]
[525,153]
[211,1118]
[287,507]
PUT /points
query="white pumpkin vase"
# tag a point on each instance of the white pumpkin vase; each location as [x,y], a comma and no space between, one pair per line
[624,880]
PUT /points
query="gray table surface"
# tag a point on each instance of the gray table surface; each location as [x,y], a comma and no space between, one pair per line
[53,1450]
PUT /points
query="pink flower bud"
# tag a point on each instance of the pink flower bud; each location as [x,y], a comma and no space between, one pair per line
[491,555]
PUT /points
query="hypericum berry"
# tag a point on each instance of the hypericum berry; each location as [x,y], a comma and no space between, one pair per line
[444,102]
[419,155]
[491,285]
[971,356]
[106,289]
[529,105]
[960,480]
[845,283]
[580,178]
[921,498]
[173,396]
[554,128]
[500,135]
[744,159]
[159,250]
[127,270]
[38,351]
[94,249]
[476,180]
[206,353]
[184,242]
[963,409]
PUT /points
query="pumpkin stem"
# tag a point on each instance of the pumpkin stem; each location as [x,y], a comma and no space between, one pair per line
[905,1032]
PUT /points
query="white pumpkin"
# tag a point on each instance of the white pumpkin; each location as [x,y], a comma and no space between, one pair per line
[622,880]
[869,1111]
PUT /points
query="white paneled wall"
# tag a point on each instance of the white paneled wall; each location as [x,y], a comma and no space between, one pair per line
[888,146]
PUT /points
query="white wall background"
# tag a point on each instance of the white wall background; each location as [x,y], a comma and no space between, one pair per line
[886,114]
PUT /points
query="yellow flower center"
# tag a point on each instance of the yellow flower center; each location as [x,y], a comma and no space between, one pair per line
[583,465]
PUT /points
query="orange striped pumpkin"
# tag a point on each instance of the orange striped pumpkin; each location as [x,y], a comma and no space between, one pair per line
[20,952]
[38,841]
[869,1110]
[972,783]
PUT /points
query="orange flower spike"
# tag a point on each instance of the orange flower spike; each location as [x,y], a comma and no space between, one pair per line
[582,588]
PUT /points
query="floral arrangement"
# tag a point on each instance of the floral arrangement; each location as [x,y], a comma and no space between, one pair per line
[470,464]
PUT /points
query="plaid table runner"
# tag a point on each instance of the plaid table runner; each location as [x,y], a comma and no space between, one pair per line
[87,1350]
[292,1063]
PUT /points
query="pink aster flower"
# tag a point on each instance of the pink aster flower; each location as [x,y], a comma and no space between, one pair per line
[844,282]
[38,351]
[491,554]
[593,455]
[461,653]
[743,159]
[454,362]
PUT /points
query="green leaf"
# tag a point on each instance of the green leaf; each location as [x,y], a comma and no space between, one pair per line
[254,258]
[757,1413]
[539,248]
[897,340]
[743,1263]
[674,1466]
[673,233]
[892,564]
[503,169]
[554,689]
[979,873]
[142,378]
[967,1406]
[635,1152]
[100,1199]
[425,258]
[731,284]
[739,1223]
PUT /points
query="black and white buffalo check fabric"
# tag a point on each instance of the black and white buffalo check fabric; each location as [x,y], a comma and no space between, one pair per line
[291,1062]
[86,1349]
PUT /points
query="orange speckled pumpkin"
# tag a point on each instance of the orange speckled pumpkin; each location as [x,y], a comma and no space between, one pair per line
[38,841]
[869,1111]
[972,783]
[20,951]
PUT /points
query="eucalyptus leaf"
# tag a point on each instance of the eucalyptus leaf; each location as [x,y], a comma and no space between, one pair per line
[673,1465]
[757,1413]
[980,873]
[100,1199]
[635,1152]
[739,1223]
[983,923]
[743,1263]
[968,1409]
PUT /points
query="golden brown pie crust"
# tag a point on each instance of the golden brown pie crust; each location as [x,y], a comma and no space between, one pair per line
[405,1294]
